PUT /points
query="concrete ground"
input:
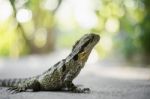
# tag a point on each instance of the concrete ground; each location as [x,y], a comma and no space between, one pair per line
[101,88]
[106,79]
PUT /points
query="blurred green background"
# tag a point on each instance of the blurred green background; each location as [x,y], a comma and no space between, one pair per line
[41,26]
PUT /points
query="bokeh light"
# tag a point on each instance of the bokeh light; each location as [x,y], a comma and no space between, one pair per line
[24,15]
[112,25]
[5,10]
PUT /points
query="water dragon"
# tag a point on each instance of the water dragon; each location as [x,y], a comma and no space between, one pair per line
[60,76]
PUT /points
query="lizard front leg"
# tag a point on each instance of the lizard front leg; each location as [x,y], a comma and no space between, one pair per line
[71,87]
[29,84]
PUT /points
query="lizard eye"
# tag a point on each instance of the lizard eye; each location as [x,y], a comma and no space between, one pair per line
[85,45]
[75,45]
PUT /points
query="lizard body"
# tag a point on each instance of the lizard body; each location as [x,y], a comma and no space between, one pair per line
[61,75]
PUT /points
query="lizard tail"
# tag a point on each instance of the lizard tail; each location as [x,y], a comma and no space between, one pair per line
[11,82]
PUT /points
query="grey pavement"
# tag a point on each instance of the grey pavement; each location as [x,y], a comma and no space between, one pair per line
[101,88]
[106,79]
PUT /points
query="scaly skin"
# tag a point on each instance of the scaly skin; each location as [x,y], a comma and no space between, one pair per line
[62,74]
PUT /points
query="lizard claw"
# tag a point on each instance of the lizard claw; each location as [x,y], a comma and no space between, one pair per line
[14,90]
[86,90]
[79,90]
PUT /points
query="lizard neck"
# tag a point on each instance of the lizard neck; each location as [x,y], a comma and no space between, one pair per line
[78,58]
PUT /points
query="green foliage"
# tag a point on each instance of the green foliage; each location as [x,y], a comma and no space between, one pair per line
[124,26]
[10,41]
[145,35]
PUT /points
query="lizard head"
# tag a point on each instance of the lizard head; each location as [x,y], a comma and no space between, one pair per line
[83,47]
